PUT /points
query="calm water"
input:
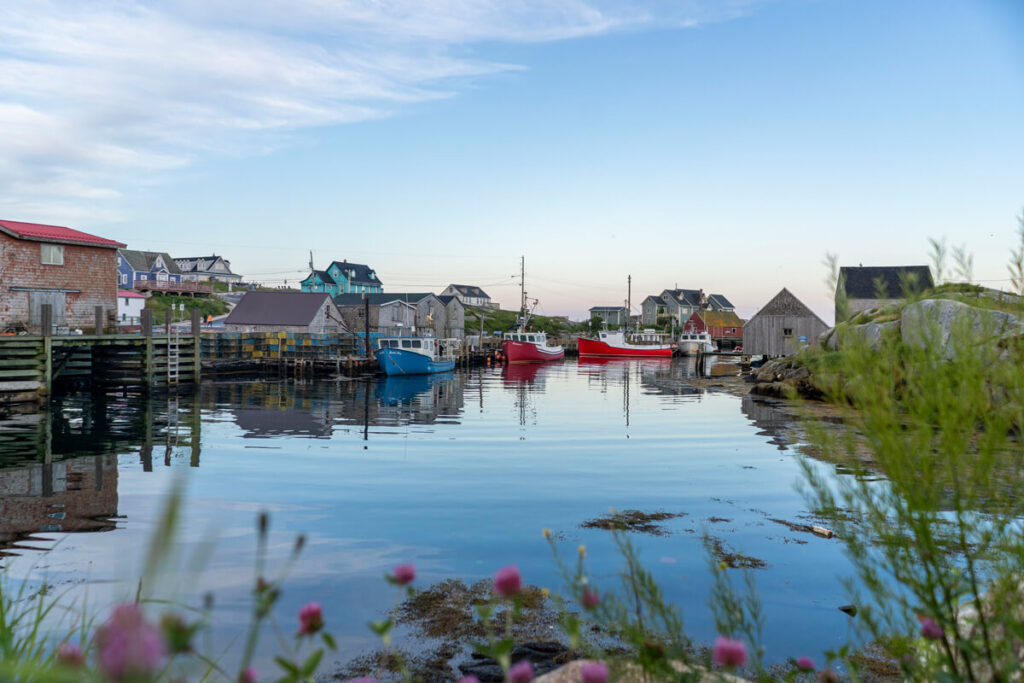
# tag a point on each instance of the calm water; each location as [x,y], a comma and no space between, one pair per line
[458,473]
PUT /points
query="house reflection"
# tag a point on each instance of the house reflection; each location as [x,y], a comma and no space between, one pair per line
[58,468]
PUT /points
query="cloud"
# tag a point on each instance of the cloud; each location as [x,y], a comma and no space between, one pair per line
[97,96]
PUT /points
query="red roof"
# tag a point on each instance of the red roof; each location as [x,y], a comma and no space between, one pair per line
[54,233]
[129,294]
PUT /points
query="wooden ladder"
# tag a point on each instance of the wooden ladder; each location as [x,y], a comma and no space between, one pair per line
[173,356]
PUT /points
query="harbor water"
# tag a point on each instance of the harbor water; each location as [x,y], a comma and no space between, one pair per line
[457,473]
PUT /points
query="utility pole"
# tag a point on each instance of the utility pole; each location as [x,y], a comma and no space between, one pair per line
[629,300]
[522,289]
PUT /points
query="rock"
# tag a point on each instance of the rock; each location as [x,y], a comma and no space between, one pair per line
[631,673]
[545,656]
[934,321]
[873,334]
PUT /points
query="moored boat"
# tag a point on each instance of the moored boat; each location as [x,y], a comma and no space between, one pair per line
[610,344]
[521,346]
[692,343]
[529,347]
[416,355]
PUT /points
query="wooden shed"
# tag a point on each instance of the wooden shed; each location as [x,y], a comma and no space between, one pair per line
[781,327]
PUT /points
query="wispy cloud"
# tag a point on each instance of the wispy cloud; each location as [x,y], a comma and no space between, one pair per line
[97,95]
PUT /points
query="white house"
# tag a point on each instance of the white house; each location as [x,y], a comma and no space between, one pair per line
[469,295]
[129,307]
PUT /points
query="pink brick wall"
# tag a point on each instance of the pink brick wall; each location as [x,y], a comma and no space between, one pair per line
[91,270]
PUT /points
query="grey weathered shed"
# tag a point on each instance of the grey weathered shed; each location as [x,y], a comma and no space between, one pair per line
[781,327]
[285,312]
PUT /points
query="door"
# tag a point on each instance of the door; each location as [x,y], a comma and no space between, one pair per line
[56,301]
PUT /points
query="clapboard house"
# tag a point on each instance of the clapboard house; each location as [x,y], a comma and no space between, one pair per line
[441,317]
[783,326]
[862,288]
[299,312]
[469,295]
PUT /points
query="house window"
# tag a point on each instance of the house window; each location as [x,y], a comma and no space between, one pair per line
[52,254]
[124,278]
[787,331]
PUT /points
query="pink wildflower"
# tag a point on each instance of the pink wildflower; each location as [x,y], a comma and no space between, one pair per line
[508,582]
[129,647]
[729,653]
[590,599]
[523,671]
[929,629]
[805,663]
[404,574]
[70,656]
[250,675]
[311,619]
[594,672]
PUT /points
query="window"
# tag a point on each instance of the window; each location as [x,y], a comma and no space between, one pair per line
[416,344]
[787,331]
[124,278]
[406,344]
[52,254]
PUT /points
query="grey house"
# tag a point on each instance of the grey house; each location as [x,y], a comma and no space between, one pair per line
[652,308]
[285,312]
[439,315]
[862,288]
[610,315]
[781,327]
[469,295]
[682,303]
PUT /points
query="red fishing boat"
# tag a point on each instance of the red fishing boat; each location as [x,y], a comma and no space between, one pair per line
[522,346]
[529,347]
[609,344]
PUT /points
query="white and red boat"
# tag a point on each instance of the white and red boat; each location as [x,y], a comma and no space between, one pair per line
[529,347]
[608,344]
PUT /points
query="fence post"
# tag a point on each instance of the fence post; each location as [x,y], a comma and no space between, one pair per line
[146,320]
[46,320]
[98,312]
[196,345]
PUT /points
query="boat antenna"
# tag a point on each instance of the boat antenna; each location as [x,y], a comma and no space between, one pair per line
[522,294]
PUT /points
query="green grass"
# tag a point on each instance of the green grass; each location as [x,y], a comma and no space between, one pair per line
[506,320]
[159,304]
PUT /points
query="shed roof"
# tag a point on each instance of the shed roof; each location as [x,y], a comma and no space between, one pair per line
[786,303]
[867,282]
[38,232]
[130,294]
[144,260]
[276,308]
[607,308]
[720,318]
[379,298]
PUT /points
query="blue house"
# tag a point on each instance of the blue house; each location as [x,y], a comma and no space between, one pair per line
[145,266]
[342,277]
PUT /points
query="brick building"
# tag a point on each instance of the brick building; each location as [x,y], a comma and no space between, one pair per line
[47,264]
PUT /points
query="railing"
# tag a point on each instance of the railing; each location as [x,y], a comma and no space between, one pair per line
[167,286]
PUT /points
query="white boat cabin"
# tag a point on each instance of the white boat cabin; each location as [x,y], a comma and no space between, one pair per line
[648,336]
[424,346]
[529,337]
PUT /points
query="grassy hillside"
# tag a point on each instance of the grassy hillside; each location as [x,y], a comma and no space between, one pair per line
[499,320]
[160,303]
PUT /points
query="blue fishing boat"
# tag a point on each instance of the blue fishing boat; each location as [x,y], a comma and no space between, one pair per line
[416,355]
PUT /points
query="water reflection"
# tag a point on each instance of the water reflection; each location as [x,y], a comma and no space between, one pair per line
[771,419]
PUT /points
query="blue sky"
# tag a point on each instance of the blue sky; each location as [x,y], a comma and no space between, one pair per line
[717,145]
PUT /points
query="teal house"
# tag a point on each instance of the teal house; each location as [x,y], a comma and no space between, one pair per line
[342,277]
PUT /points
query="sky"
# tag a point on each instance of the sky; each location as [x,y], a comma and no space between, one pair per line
[720,145]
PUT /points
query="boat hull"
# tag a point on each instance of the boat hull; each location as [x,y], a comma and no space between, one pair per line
[401,362]
[527,352]
[598,348]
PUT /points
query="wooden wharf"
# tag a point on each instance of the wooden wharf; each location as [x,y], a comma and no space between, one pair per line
[31,365]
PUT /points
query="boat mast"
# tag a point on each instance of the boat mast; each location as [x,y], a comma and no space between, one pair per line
[522,293]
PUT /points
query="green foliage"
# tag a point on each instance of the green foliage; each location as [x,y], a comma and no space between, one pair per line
[496,319]
[160,303]
[939,537]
